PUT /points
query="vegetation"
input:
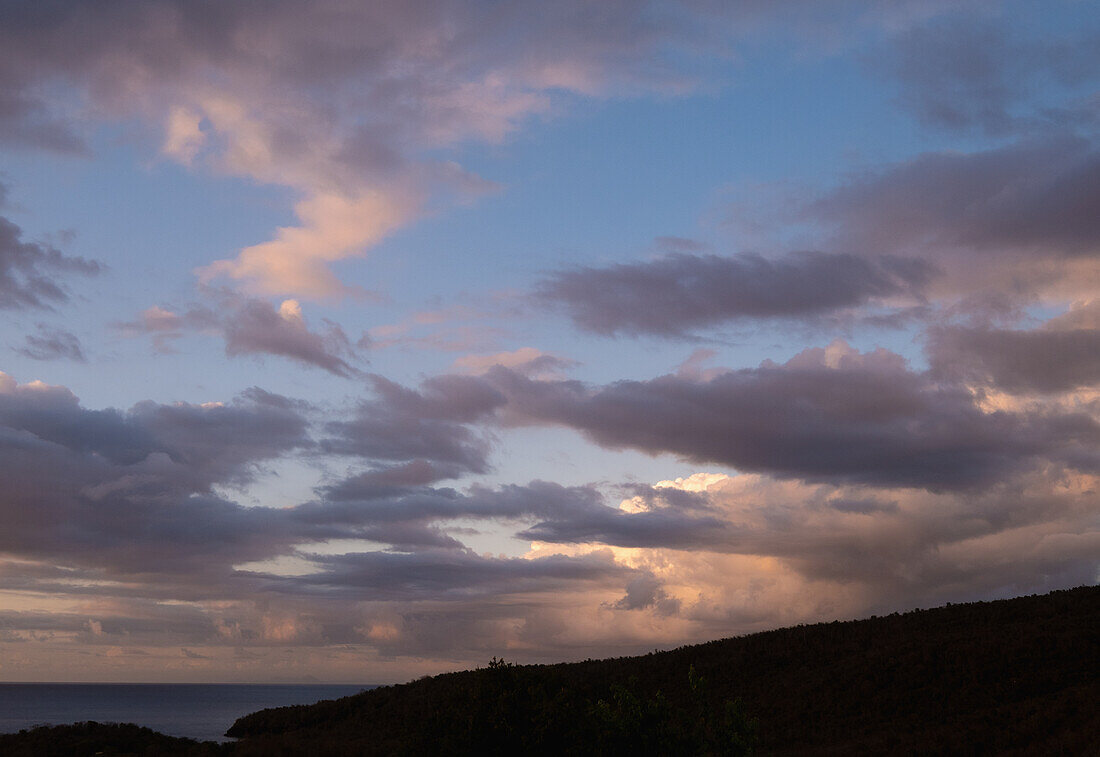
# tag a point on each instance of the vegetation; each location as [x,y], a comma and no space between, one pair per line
[1010,677]
[107,739]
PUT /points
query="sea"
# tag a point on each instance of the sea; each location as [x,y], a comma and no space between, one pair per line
[197,711]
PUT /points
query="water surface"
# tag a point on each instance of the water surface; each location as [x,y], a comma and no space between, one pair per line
[197,711]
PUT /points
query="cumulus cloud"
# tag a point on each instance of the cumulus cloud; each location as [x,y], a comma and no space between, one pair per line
[680,292]
[29,270]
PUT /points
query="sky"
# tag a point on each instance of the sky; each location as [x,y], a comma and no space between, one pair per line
[360,341]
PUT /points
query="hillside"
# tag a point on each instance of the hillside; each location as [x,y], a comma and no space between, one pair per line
[1019,676]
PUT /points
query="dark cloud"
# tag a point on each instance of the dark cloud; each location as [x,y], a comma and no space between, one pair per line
[124,507]
[52,344]
[645,530]
[350,503]
[1040,360]
[93,496]
[218,441]
[646,591]
[909,541]
[433,425]
[379,51]
[970,72]
[1035,199]
[382,481]
[137,493]
[681,292]
[251,327]
[145,622]
[29,271]
[26,121]
[133,491]
[351,107]
[457,575]
[224,441]
[388,78]
[257,328]
[827,415]
[202,444]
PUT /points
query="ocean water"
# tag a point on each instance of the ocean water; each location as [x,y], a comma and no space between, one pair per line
[197,711]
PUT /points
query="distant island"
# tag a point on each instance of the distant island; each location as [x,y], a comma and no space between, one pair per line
[1018,676]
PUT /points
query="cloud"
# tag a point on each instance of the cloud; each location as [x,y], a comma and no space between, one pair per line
[526,360]
[786,548]
[955,74]
[456,328]
[538,499]
[455,575]
[112,521]
[251,327]
[1025,209]
[109,493]
[259,329]
[353,108]
[678,293]
[52,344]
[29,270]
[1020,361]
[135,490]
[26,121]
[116,511]
[829,414]
[967,72]
[346,106]
[646,591]
[214,442]
[165,325]
[432,427]
[867,486]
[333,227]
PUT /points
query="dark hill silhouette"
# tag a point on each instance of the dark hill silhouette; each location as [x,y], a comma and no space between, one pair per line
[1013,676]
[107,739]
[1019,676]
